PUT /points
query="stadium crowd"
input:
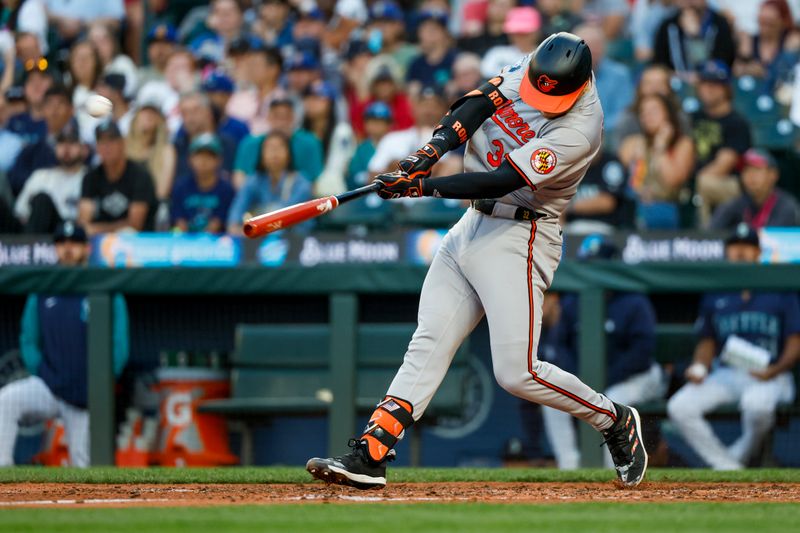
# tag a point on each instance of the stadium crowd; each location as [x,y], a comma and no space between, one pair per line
[241,106]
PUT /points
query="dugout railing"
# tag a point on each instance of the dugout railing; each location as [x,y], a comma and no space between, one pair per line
[343,284]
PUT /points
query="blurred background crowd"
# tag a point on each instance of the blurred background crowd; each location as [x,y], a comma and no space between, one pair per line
[235,107]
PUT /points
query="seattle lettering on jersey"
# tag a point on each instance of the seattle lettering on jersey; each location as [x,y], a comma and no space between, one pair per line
[751,323]
[513,124]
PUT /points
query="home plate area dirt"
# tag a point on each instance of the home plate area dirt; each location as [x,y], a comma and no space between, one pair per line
[121,495]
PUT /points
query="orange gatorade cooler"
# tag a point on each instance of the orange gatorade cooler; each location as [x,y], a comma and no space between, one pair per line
[186,436]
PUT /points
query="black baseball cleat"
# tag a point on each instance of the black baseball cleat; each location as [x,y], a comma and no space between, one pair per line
[353,469]
[624,441]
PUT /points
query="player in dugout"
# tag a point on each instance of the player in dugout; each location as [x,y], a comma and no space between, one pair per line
[532,131]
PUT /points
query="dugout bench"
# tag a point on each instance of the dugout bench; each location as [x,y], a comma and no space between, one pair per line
[282,369]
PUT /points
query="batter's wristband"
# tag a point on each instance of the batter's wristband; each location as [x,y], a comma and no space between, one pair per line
[431,151]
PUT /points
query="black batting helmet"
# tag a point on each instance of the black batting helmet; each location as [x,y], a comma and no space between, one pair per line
[559,70]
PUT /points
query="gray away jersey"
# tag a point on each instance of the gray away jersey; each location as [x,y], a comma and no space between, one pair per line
[552,155]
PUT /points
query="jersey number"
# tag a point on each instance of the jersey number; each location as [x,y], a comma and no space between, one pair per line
[495,158]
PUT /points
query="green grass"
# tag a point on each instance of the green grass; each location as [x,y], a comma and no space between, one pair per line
[461,517]
[287,474]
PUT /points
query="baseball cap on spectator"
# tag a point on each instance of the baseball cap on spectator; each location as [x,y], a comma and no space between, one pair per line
[435,15]
[387,10]
[60,91]
[597,246]
[218,82]
[208,50]
[206,142]
[15,93]
[303,61]
[70,231]
[383,73]
[162,33]
[760,158]
[70,133]
[379,111]
[114,81]
[355,48]
[244,44]
[321,88]
[312,12]
[715,71]
[743,234]
[107,129]
[523,19]
[432,91]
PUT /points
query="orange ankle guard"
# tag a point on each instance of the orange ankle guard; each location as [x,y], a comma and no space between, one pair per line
[386,426]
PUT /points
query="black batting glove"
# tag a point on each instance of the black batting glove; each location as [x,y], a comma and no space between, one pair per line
[398,184]
[419,164]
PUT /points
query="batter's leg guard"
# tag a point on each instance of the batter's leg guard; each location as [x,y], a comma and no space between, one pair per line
[386,426]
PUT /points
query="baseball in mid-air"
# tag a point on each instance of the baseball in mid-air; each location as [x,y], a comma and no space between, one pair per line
[98,106]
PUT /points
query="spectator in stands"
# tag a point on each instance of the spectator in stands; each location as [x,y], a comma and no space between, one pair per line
[694,35]
[484,36]
[338,141]
[646,18]
[12,104]
[275,183]
[30,124]
[659,160]
[307,150]
[219,87]
[274,23]
[148,145]
[201,200]
[610,14]
[53,345]
[180,77]
[655,79]
[27,16]
[57,111]
[112,60]
[732,324]
[118,193]
[382,86]
[71,19]
[51,195]
[224,24]
[433,64]
[761,203]
[601,203]
[377,123]
[198,118]
[466,74]
[85,70]
[161,41]
[386,34]
[721,135]
[112,86]
[428,109]
[771,53]
[251,105]
[558,15]
[522,27]
[633,376]
[302,69]
[615,85]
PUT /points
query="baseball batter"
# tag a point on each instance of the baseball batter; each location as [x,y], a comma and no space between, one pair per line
[532,133]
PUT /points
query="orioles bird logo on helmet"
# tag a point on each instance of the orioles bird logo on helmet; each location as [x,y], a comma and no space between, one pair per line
[546,84]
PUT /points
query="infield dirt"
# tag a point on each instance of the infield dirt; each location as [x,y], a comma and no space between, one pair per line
[123,495]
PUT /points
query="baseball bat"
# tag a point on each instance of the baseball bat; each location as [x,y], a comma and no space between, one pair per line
[294,214]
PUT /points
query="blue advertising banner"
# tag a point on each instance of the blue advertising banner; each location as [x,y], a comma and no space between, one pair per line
[165,249]
[780,245]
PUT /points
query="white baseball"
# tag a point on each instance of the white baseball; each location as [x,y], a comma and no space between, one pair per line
[98,106]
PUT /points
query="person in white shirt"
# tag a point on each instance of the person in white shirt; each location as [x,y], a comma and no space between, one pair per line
[51,195]
[70,17]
